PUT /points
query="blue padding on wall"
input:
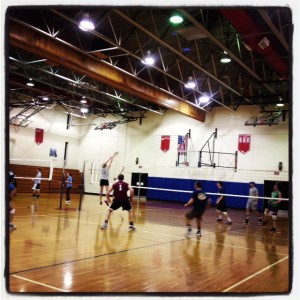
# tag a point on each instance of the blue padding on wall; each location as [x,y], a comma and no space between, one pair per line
[237,188]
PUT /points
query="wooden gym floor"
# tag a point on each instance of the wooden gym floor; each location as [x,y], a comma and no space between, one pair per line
[61,251]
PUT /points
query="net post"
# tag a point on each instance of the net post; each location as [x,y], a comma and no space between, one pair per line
[235,160]
[63,175]
[200,159]
[61,189]
[139,188]
[81,191]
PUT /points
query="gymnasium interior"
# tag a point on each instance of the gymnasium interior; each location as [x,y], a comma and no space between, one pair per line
[173,95]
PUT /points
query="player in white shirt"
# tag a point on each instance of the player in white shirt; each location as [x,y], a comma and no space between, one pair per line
[104,181]
[37,184]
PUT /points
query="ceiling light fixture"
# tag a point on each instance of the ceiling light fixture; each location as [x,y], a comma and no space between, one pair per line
[190,84]
[30,82]
[45,98]
[84,110]
[280,104]
[225,59]
[176,18]
[83,100]
[148,60]
[86,24]
[203,99]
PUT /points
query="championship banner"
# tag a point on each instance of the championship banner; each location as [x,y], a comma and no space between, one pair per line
[165,143]
[244,143]
[39,135]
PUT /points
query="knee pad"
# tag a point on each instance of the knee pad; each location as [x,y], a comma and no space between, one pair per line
[274,217]
[12,211]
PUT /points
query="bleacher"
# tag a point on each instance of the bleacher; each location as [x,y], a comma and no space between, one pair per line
[52,186]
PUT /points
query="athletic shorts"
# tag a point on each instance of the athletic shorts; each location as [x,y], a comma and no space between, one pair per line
[195,214]
[104,182]
[251,204]
[221,206]
[273,209]
[126,205]
[36,186]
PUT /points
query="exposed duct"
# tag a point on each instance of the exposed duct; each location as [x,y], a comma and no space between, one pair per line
[256,39]
[34,41]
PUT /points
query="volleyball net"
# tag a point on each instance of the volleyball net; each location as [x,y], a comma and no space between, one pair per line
[47,166]
[234,200]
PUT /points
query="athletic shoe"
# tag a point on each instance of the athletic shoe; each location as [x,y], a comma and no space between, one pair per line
[198,233]
[273,229]
[106,202]
[188,233]
[265,222]
[131,228]
[34,196]
[100,202]
[246,221]
[228,223]
[12,226]
[219,220]
[104,226]
[260,222]
[68,201]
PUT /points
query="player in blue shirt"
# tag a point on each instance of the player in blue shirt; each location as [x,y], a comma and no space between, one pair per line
[200,201]
[69,183]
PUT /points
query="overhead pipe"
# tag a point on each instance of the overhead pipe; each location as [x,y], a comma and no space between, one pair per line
[28,38]
[253,34]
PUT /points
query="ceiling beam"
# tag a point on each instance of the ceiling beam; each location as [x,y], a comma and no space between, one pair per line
[277,33]
[224,48]
[33,40]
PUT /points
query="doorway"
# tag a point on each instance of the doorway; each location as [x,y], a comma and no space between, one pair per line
[139,179]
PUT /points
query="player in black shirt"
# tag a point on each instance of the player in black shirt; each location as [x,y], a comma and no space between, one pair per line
[200,201]
[221,206]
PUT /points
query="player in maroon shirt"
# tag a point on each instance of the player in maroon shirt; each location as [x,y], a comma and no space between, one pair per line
[120,189]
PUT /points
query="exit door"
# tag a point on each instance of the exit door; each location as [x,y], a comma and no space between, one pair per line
[139,179]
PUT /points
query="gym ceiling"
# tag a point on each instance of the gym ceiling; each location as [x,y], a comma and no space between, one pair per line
[136,60]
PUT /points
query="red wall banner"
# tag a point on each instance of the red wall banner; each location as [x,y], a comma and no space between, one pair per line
[165,143]
[244,143]
[39,135]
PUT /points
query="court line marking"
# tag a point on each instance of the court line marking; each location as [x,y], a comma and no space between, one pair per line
[182,238]
[253,275]
[174,236]
[39,283]
[95,256]
[177,236]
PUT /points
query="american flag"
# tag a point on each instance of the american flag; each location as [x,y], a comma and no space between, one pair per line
[182,144]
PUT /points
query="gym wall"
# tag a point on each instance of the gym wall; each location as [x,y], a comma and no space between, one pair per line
[269,145]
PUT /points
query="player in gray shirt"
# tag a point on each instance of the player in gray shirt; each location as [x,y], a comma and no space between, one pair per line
[252,204]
